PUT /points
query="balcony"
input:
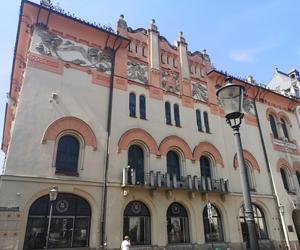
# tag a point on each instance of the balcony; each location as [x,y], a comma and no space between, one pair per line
[158,180]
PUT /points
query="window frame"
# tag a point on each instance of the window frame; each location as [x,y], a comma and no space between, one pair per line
[142,107]
[206,122]
[198,120]
[132,104]
[273,125]
[284,173]
[176,115]
[219,220]
[80,163]
[168,113]
[285,130]
[144,163]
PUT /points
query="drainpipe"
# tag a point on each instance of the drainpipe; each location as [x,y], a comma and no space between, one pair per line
[112,52]
[273,186]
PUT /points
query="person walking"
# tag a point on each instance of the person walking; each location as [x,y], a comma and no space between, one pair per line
[125,245]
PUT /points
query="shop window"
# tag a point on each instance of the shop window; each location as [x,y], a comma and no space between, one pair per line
[67,154]
[173,166]
[70,223]
[168,113]
[273,126]
[206,122]
[260,224]
[136,163]
[198,120]
[176,115]
[136,223]
[212,224]
[142,107]
[132,105]
[177,224]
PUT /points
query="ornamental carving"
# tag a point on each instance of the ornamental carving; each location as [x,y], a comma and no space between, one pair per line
[137,72]
[50,44]
[170,81]
[248,106]
[199,91]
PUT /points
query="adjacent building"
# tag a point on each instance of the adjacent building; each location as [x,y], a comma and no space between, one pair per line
[129,130]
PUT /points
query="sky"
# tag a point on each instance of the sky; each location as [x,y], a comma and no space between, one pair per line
[241,37]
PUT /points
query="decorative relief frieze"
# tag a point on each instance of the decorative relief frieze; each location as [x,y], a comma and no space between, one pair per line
[170,81]
[50,44]
[137,72]
[199,91]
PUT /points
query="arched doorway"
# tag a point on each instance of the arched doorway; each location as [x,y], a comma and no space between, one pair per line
[70,224]
[296,220]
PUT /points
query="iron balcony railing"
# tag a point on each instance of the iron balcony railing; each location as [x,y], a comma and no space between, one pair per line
[157,180]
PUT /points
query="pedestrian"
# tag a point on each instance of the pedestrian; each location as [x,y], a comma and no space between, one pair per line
[125,245]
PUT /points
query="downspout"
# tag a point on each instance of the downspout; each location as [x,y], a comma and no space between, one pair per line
[273,186]
[112,51]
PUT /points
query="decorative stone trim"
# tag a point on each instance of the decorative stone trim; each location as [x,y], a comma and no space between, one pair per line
[249,157]
[70,123]
[282,163]
[203,147]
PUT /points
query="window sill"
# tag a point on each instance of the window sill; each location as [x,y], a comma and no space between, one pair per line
[65,173]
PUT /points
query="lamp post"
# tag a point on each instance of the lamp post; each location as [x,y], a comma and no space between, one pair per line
[52,196]
[231,98]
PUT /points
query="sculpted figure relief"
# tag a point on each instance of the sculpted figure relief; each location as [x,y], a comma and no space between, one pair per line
[50,44]
[170,81]
[199,91]
[137,72]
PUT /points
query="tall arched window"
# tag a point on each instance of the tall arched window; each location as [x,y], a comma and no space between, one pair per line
[168,113]
[70,224]
[260,224]
[284,178]
[205,167]
[206,122]
[212,224]
[284,129]
[298,177]
[177,224]
[198,119]
[136,163]
[67,154]
[273,126]
[136,223]
[132,105]
[173,166]
[176,115]
[142,107]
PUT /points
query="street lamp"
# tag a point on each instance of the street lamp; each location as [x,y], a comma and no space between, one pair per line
[231,98]
[52,196]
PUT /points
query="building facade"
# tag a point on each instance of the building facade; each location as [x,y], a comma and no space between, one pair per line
[129,130]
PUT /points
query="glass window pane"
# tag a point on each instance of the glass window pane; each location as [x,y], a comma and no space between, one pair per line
[206,122]
[198,119]
[176,114]
[168,113]
[81,232]
[136,162]
[142,107]
[173,167]
[132,105]
[273,126]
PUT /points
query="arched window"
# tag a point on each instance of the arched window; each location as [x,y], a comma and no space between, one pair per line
[298,177]
[70,224]
[136,163]
[176,115]
[273,126]
[198,119]
[136,223]
[250,177]
[177,224]
[284,178]
[206,122]
[212,224]
[173,167]
[168,113]
[67,154]
[132,105]
[205,167]
[260,224]
[284,129]
[142,107]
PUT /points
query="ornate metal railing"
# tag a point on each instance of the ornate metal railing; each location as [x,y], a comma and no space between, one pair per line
[159,180]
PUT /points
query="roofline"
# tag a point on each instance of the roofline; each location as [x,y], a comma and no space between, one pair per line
[252,85]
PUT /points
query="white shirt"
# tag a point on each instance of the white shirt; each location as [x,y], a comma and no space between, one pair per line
[125,245]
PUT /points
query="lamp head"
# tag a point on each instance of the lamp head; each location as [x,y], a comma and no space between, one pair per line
[53,193]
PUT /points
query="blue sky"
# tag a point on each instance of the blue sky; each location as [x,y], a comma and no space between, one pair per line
[241,37]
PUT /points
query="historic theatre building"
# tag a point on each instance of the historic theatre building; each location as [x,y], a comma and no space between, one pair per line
[129,131]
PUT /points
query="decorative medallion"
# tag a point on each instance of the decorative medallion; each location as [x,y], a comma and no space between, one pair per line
[199,91]
[50,44]
[170,81]
[137,72]
[175,209]
[62,206]
[136,207]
